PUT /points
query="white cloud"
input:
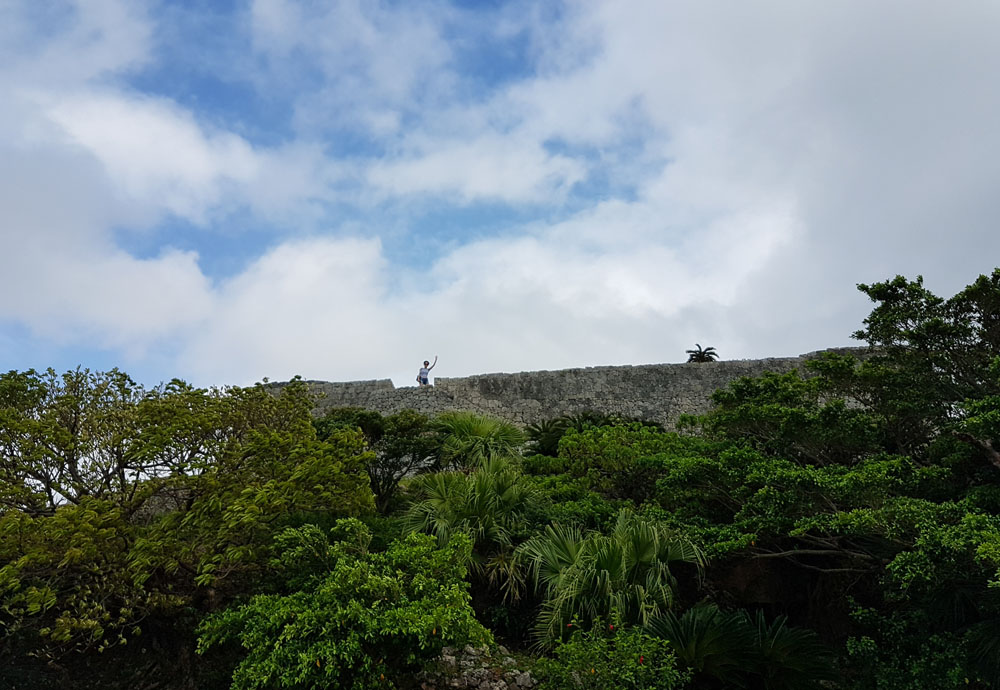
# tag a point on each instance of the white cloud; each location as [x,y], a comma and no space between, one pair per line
[64,43]
[489,168]
[378,60]
[772,155]
[154,152]
[309,305]
[335,309]
[100,295]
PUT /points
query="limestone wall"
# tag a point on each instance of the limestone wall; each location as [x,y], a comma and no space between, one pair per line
[660,392]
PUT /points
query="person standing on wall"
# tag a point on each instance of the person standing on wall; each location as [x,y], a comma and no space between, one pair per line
[423,378]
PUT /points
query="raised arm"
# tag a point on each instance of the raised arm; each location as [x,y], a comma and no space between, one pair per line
[435,362]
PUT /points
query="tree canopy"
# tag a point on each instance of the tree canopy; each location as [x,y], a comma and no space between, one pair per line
[832,527]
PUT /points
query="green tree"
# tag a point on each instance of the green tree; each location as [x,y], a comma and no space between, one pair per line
[402,445]
[491,505]
[64,438]
[875,477]
[623,460]
[356,619]
[126,510]
[933,358]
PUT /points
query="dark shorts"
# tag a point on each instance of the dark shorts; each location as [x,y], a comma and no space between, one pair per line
[423,381]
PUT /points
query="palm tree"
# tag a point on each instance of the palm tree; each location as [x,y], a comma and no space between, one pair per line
[733,647]
[469,439]
[490,504]
[709,641]
[698,355]
[544,436]
[790,658]
[586,577]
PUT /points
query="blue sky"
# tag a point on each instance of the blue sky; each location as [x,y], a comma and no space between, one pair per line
[242,189]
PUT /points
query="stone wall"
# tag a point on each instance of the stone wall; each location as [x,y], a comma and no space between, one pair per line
[477,668]
[658,392]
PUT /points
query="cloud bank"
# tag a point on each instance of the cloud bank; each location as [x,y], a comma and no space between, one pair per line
[341,191]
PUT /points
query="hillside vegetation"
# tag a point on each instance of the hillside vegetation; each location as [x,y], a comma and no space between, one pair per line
[832,528]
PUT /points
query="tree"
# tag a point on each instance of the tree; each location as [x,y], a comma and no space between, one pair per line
[934,362]
[402,445]
[876,477]
[490,505]
[468,439]
[355,619]
[699,355]
[124,510]
[590,577]
[623,460]
[64,438]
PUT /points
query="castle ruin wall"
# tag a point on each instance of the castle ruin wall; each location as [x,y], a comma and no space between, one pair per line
[656,392]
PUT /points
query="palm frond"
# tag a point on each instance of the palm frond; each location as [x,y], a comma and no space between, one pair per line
[585,577]
[469,439]
[790,658]
[709,641]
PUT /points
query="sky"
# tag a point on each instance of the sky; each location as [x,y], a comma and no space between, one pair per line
[244,189]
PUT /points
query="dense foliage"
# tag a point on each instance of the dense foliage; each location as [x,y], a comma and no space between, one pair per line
[585,578]
[126,512]
[833,527]
[602,657]
[351,618]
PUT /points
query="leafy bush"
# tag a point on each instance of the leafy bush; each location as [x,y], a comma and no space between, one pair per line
[624,460]
[608,657]
[543,465]
[568,501]
[356,619]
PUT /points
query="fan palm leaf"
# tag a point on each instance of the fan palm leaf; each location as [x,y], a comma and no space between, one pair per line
[585,577]
[490,505]
[468,439]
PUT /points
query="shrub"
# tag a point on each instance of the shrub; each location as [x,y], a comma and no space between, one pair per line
[606,657]
[359,620]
